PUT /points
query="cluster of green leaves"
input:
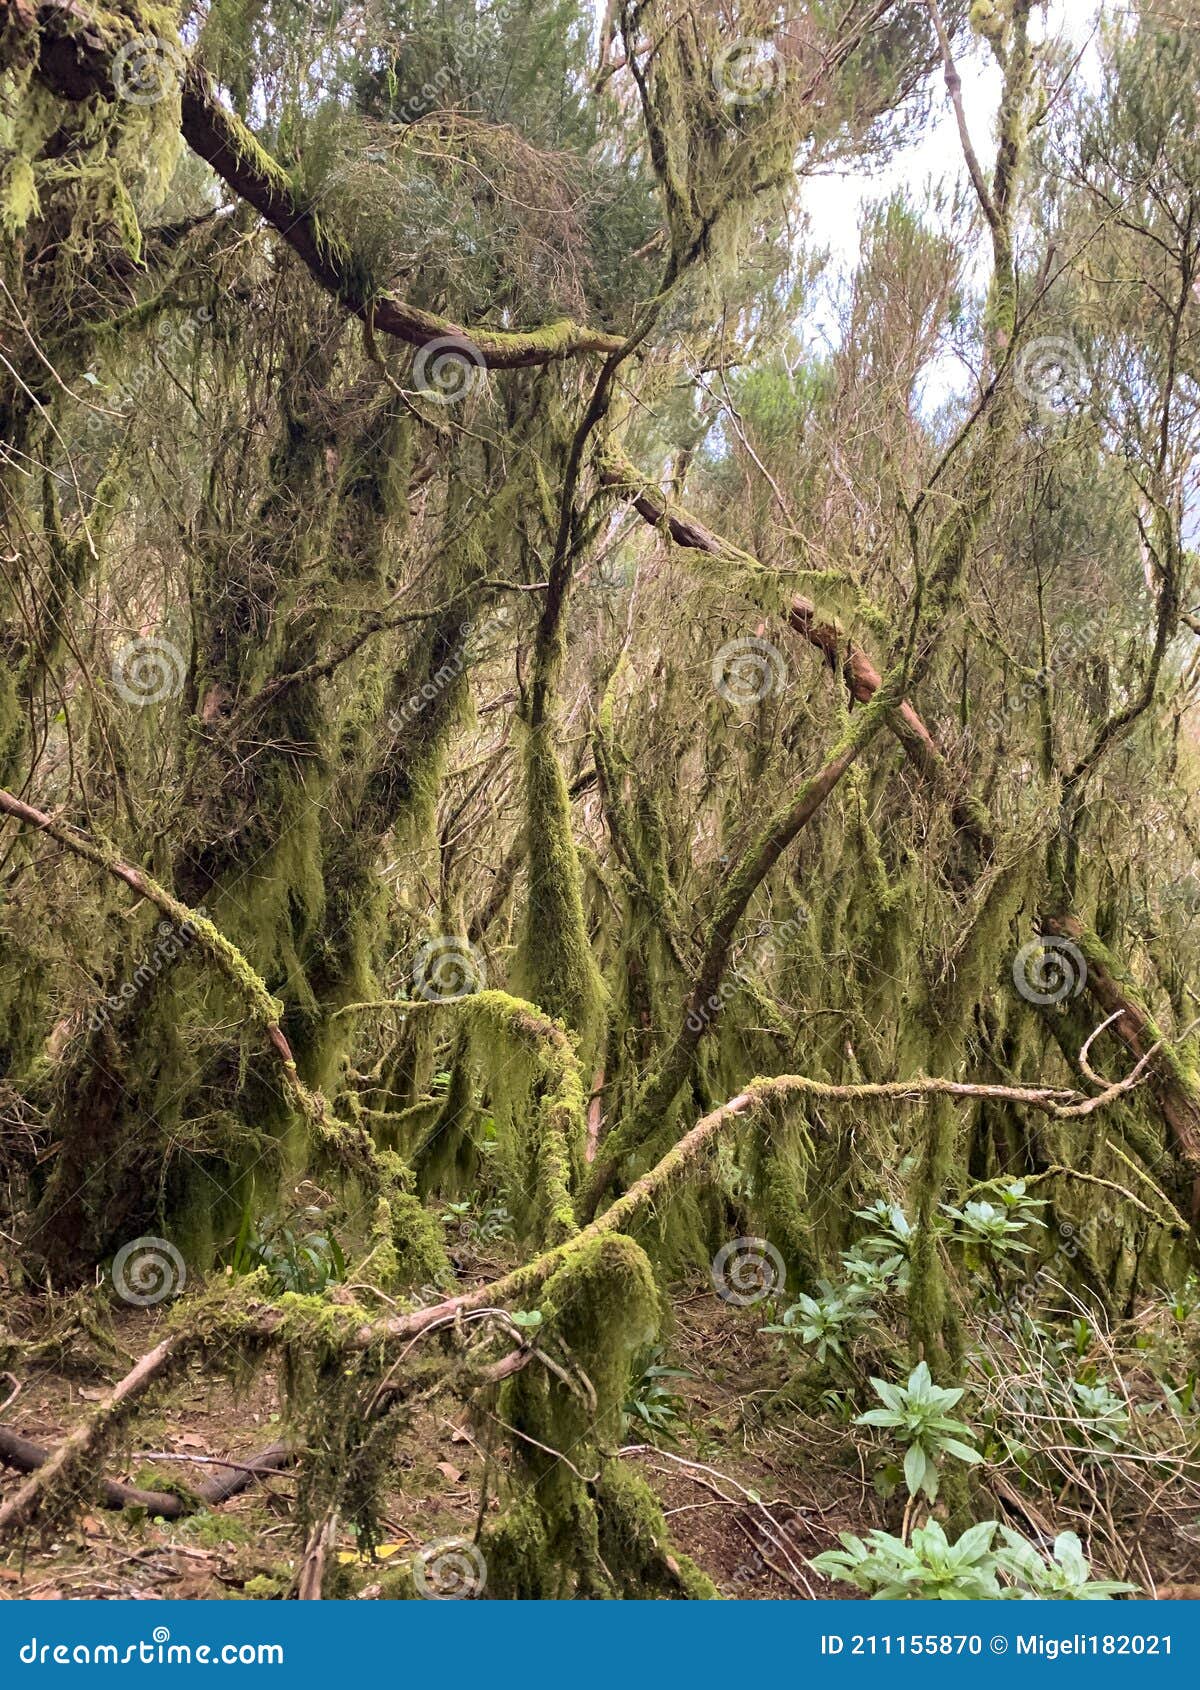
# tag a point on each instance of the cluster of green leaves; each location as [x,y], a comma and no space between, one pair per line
[481,1220]
[652,1403]
[994,1232]
[829,1322]
[917,1413]
[931,1568]
[297,1251]
[875,1268]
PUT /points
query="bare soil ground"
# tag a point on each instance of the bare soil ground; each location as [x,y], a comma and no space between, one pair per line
[749,1493]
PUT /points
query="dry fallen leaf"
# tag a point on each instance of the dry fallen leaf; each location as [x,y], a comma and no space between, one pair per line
[383,1552]
[450,1470]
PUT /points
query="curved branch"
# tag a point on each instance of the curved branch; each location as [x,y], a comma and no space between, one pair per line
[75,45]
[263,1008]
[861,676]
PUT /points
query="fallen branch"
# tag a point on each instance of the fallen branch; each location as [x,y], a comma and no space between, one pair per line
[23,1456]
[23,1505]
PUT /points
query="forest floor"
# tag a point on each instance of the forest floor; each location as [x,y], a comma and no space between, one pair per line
[709,1478]
[750,1494]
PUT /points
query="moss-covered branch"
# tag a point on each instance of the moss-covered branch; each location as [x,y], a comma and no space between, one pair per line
[74,43]
[264,1009]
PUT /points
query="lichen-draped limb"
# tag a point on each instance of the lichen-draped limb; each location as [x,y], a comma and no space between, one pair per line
[703,1004]
[1174,1075]
[822,632]
[74,42]
[551,1090]
[683,1160]
[264,1010]
[554,966]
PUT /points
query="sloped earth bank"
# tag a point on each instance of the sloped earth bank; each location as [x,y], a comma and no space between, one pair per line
[751,1487]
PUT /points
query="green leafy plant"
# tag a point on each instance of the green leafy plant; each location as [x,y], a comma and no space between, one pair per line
[877,1275]
[994,1231]
[652,1402]
[917,1413]
[829,1322]
[893,1229]
[298,1253]
[1102,1417]
[931,1568]
[480,1220]
[1065,1576]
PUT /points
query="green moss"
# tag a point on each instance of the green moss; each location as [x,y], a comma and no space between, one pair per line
[418,1245]
[601,1306]
[635,1544]
[554,966]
